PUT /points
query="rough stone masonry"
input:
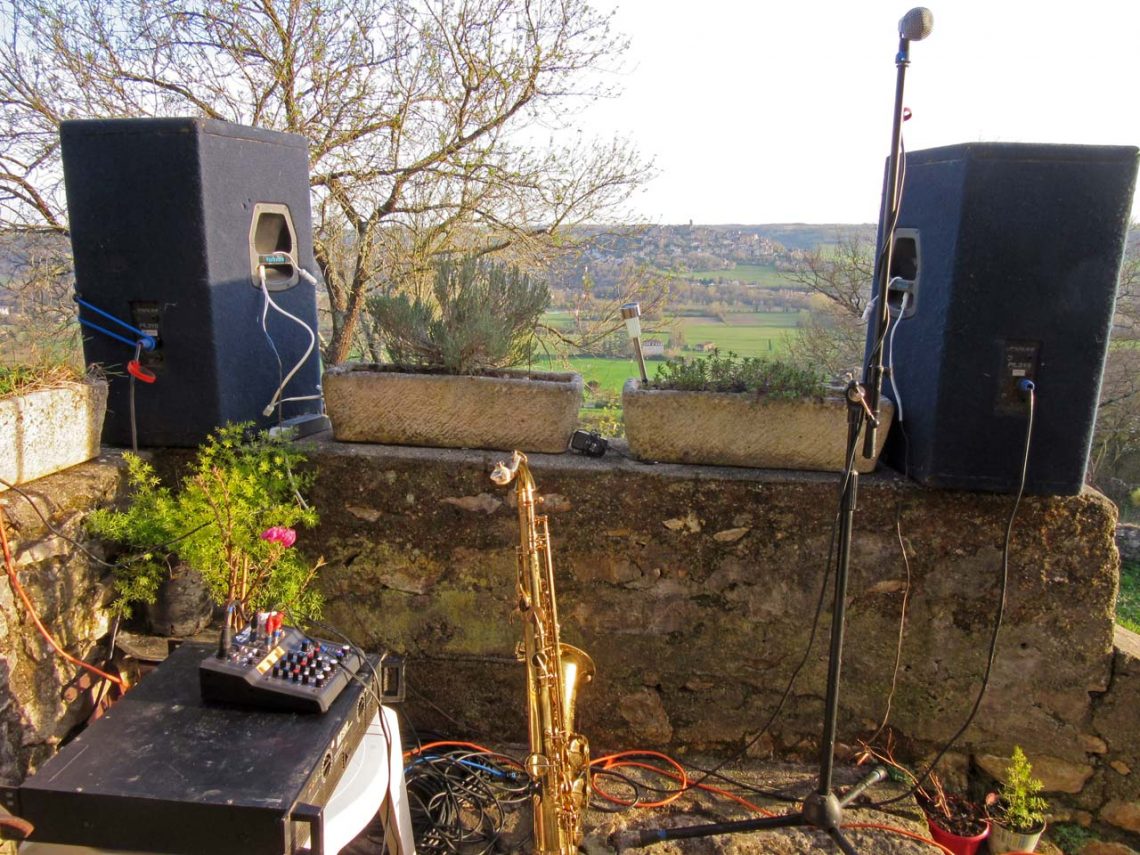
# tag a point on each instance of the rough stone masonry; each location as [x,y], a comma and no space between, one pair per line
[694,590]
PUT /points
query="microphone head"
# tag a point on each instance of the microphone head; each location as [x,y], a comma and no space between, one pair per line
[916,24]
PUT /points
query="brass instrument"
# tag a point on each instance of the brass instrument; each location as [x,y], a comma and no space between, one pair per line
[559,760]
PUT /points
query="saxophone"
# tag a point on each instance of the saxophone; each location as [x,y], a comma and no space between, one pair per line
[559,759]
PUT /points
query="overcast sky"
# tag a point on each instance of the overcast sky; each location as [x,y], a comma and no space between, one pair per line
[780,111]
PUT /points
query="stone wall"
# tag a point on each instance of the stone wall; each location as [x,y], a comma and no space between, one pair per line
[40,693]
[694,590]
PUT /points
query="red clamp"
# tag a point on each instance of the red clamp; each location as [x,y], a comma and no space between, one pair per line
[136,370]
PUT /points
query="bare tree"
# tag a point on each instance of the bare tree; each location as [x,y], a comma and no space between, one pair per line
[841,272]
[412,110]
[840,275]
[1114,463]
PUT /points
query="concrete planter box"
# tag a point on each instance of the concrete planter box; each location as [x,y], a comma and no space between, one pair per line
[741,429]
[535,411]
[51,429]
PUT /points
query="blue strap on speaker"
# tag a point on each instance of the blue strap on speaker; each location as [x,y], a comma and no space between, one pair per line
[143,339]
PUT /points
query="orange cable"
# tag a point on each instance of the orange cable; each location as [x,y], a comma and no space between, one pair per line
[10,565]
[615,761]
[411,752]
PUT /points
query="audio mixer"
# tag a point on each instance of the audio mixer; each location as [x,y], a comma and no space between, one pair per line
[278,668]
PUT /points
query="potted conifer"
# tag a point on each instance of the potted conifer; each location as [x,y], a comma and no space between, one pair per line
[452,381]
[1017,810]
[727,410]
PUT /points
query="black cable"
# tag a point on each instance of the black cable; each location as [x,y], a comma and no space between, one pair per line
[55,530]
[375,688]
[633,784]
[459,798]
[848,470]
[744,786]
[134,426]
[992,652]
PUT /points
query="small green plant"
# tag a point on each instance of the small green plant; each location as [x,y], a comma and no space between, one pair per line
[481,316]
[1070,838]
[1017,805]
[231,520]
[1128,602]
[732,373]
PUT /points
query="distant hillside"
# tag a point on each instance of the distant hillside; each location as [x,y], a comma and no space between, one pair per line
[804,236]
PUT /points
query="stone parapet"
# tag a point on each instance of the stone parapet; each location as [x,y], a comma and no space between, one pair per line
[695,588]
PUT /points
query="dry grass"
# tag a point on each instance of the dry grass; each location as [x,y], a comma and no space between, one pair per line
[22,379]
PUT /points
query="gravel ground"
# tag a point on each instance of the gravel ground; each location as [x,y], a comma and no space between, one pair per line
[698,807]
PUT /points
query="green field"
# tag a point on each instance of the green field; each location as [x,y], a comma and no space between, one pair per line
[750,334]
[1128,604]
[760,275]
[745,333]
[609,374]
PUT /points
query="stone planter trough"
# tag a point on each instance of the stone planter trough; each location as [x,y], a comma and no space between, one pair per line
[48,430]
[536,411]
[741,429]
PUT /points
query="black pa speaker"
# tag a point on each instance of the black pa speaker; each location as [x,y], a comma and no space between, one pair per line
[1009,255]
[172,221]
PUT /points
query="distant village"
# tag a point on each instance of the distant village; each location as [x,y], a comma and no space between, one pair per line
[686,249]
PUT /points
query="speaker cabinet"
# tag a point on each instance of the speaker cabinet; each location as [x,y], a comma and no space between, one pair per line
[172,221]
[1014,251]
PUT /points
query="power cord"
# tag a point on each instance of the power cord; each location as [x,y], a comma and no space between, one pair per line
[848,469]
[891,354]
[276,400]
[1028,389]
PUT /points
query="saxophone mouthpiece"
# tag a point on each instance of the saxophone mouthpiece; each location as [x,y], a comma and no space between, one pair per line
[504,472]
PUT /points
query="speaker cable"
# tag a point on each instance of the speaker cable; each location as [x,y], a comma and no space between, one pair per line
[277,400]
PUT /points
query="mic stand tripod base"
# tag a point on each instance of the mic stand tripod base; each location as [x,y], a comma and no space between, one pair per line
[821,811]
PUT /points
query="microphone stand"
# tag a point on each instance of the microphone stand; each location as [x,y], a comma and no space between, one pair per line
[823,809]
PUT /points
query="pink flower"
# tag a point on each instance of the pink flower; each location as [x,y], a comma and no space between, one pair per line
[279,534]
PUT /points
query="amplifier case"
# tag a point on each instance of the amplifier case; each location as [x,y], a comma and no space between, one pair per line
[162,218]
[165,771]
[1015,250]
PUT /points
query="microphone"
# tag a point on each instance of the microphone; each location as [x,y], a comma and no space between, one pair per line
[916,24]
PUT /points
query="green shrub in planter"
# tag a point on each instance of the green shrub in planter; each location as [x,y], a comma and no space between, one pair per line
[731,373]
[480,316]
